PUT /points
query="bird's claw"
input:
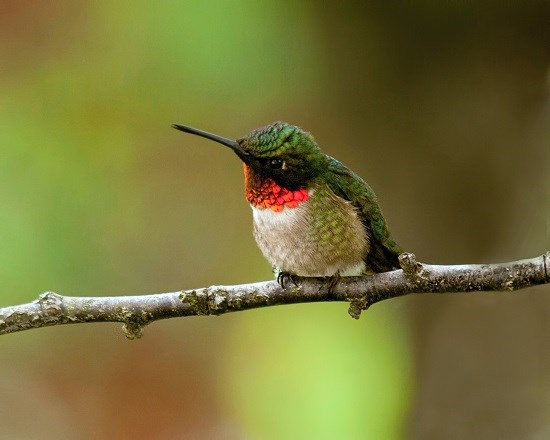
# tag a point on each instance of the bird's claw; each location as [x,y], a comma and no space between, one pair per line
[332,281]
[284,279]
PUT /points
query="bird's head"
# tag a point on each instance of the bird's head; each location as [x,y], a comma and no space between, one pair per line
[284,152]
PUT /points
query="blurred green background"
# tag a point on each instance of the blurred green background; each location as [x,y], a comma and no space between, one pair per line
[443,108]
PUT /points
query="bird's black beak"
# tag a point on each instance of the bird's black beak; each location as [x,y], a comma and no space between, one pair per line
[234,145]
[244,155]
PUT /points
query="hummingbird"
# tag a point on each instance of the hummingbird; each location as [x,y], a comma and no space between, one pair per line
[312,216]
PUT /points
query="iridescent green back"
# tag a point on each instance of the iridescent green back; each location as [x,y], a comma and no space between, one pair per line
[348,185]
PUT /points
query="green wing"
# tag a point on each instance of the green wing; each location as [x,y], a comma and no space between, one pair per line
[345,183]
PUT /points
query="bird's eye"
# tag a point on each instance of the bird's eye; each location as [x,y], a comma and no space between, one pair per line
[276,163]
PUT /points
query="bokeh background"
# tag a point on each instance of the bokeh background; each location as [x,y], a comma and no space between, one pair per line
[442,107]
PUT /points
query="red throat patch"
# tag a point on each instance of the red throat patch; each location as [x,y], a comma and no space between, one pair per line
[265,193]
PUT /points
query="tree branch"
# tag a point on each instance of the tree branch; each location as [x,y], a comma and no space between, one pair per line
[135,312]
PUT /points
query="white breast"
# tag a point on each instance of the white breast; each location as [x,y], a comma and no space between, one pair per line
[286,240]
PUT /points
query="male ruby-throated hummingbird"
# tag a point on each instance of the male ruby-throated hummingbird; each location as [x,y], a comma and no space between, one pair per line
[313,217]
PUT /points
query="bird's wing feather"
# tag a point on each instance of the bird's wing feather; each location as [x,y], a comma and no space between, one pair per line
[345,183]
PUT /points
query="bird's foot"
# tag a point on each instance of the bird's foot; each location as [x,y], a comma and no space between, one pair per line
[285,279]
[332,281]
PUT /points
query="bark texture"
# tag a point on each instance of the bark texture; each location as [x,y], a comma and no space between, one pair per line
[361,292]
